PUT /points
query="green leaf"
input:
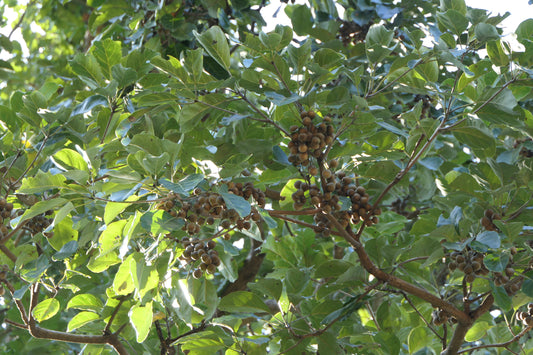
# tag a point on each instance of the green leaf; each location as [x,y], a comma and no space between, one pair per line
[389,342]
[377,43]
[496,54]
[301,19]
[155,164]
[88,70]
[41,182]
[486,32]
[66,251]
[527,287]
[101,262]
[501,298]
[268,286]
[208,342]
[86,302]
[496,263]
[145,277]
[113,209]
[237,203]
[41,207]
[242,302]
[453,21]
[215,43]
[46,309]
[194,63]
[172,66]
[80,319]
[332,268]
[489,238]
[524,31]
[458,5]
[141,320]
[418,339]
[123,76]
[429,70]
[33,270]
[478,331]
[123,282]
[111,237]
[89,103]
[185,185]
[107,53]
[476,139]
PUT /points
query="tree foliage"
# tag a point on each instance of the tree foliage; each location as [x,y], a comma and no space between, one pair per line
[175,180]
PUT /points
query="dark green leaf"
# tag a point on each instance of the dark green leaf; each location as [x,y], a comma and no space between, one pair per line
[237,203]
[489,238]
[242,302]
[66,251]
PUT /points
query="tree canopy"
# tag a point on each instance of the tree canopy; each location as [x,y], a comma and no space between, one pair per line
[175,180]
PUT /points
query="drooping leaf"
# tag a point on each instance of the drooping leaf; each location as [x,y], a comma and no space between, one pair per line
[141,320]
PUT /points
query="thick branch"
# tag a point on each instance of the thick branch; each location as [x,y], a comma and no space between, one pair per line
[394,281]
[248,271]
[457,340]
[8,253]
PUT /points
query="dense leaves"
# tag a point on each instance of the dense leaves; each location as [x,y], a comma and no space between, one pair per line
[174,179]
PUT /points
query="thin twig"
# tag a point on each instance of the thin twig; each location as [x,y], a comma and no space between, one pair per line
[8,253]
[420,315]
[113,315]
[499,345]
[32,162]
[369,95]
[256,109]
[17,25]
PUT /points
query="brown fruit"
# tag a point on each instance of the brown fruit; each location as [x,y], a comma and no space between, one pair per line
[211,269]
[197,273]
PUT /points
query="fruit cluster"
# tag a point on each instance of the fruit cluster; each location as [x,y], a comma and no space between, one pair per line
[488,218]
[3,274]
[39,223]
[501,279]
[196,249]
[6,210]
[439,317]
[470,262]
[526,317]
[310,139]
[351,32]
[327,198]
[524,151]
[205,207]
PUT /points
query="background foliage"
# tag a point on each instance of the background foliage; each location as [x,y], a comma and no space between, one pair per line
[125,114]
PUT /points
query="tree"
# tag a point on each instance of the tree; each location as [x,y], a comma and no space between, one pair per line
[174,180]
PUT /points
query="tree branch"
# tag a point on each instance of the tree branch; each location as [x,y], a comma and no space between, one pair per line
[499,345]
[393,281]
